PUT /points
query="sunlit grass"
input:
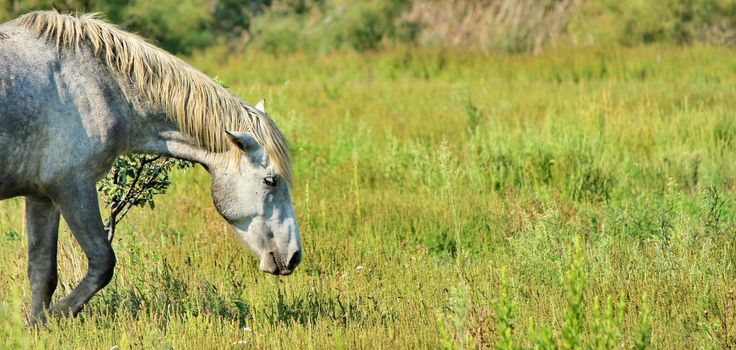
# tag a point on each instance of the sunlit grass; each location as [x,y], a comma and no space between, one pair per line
[444,198]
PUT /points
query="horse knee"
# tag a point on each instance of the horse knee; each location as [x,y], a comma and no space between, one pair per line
[104,267]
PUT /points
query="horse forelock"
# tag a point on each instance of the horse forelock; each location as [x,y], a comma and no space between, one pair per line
[201,108]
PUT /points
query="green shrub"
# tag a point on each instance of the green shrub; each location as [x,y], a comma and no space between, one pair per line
[278,35]
[364,26]
[180,29]
[668,21]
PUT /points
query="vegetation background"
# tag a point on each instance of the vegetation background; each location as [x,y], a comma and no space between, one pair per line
[469,174]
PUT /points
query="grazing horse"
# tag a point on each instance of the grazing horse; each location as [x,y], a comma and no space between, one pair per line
[76,92]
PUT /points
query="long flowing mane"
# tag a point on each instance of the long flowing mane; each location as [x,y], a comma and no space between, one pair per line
[199,106]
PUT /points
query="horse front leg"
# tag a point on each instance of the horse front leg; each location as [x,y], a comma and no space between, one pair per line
[42,224]
[78,205]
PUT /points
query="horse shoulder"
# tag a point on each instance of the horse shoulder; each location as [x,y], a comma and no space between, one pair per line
[62,112]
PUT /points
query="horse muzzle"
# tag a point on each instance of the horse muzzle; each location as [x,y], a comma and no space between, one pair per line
[275,264]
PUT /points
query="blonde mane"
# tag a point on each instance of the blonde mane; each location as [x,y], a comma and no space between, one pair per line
[199,106]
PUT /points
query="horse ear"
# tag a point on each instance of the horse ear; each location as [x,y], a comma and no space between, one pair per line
[245,141]
[261,105]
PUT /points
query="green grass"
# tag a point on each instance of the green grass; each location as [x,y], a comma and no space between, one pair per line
[577,199]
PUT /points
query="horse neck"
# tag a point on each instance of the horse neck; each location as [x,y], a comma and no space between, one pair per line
[156,134]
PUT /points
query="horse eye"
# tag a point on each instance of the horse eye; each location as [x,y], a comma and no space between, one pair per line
[270,181]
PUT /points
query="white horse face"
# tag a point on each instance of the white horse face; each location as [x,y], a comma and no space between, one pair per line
[256,201]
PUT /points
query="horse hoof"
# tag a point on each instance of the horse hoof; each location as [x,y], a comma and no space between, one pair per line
[37,321]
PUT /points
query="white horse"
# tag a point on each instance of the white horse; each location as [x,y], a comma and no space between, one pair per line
[77,92]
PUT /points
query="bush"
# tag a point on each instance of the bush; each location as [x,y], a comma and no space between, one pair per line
[634,22]
[324,26]
[364,26]
[277,35]
[179,29]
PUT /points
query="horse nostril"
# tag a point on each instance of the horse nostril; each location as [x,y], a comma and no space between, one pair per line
[295,259]
[268,263]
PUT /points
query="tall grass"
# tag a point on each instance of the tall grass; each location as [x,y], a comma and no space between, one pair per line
[500,26]
[446,199]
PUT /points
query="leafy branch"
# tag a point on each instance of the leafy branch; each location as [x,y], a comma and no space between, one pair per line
[133,182]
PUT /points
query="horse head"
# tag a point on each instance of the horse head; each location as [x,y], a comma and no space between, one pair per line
[256,200]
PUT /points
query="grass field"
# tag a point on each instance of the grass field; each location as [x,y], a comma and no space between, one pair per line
[577,199]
